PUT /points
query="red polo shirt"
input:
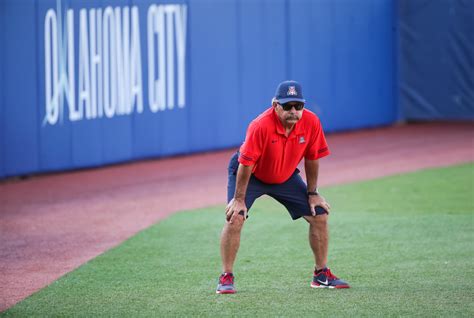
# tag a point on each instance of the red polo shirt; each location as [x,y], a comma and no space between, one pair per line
[276,156]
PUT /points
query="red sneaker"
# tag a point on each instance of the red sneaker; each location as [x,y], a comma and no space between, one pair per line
[226,284]
[325,279]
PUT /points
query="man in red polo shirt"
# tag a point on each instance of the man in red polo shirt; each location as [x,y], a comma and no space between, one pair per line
[276,141]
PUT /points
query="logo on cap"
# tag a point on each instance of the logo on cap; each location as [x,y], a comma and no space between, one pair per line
[291,91]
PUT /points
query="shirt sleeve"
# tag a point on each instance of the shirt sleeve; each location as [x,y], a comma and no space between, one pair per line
[318,146]
[251,149]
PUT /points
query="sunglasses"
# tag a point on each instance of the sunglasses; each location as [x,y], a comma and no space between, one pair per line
[289,106]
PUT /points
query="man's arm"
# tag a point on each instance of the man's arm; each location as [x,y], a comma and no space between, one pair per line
[311,168]
[312,171]
[237,204]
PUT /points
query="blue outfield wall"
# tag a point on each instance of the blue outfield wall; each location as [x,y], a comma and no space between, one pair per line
[437,59]
[86,83]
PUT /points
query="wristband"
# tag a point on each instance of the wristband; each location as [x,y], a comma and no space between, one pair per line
[313,193]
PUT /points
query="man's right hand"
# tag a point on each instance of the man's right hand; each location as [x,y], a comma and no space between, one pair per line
[233,208]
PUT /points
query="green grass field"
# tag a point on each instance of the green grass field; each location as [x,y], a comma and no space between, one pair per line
[405,243]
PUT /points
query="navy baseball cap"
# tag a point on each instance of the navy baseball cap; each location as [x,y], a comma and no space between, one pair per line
[289,91]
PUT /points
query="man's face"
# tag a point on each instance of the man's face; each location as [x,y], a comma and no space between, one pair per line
[288,113]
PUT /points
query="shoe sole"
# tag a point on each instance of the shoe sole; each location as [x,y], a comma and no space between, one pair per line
[330,287]
[225,291]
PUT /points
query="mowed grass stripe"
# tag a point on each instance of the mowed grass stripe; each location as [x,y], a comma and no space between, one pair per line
[405,243]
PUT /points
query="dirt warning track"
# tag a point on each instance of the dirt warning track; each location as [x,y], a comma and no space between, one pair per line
[51,224]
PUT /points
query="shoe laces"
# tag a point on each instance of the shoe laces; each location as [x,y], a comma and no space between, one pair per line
[227,279]
[327,273]
[330,275]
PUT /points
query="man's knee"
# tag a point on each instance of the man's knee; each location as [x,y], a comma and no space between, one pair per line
[236,225]
[318,220]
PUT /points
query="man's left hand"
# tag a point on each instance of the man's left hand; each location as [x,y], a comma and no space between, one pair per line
[318,200]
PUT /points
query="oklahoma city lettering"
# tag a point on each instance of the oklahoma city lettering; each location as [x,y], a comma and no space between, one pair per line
[109,68]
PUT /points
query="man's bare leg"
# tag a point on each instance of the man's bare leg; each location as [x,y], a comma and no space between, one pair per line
[230,242]
[319,238]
